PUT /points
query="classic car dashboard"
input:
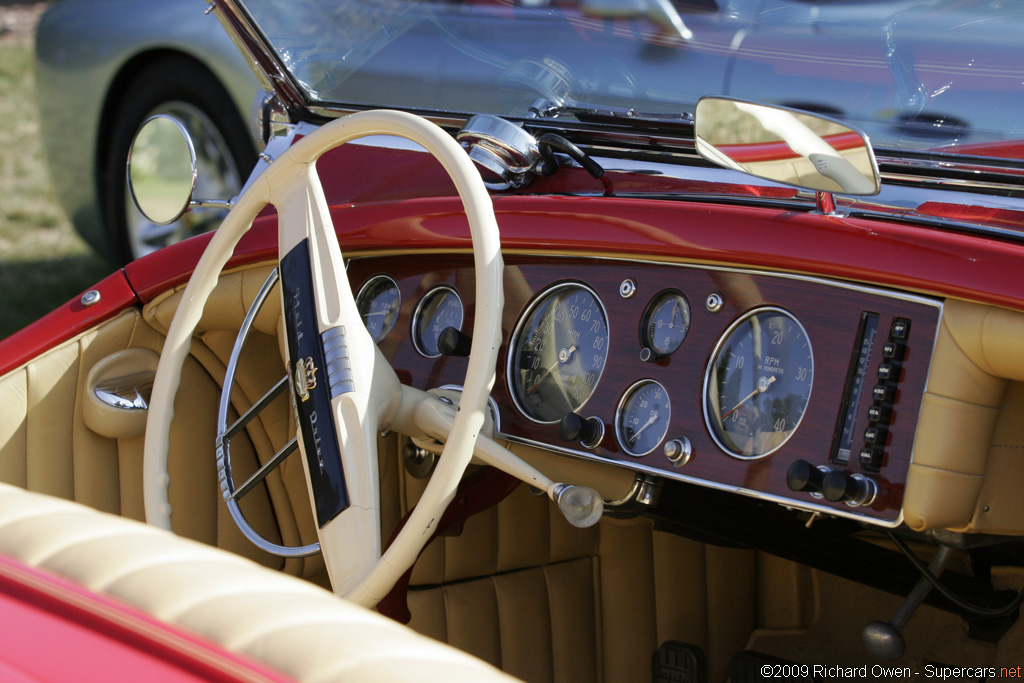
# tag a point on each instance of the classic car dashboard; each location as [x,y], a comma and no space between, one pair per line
[798,390]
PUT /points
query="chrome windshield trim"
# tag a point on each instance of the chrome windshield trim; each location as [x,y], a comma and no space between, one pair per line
[263,61]
[617,145]
[622,152]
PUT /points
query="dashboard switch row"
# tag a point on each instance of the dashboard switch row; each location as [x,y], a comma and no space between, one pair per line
[885,395]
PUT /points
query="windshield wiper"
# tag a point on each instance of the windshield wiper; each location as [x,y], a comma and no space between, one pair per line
[547,109]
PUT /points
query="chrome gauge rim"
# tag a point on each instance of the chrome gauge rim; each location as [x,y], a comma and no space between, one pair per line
[758,402]
[217,179]
[651,322]
[367,297]
[429,348]
[649,419]
[521,346]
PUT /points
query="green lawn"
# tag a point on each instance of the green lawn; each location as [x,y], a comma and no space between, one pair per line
[43,262]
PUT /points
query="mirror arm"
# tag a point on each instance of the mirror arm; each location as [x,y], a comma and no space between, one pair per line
[825,202]
[212,203]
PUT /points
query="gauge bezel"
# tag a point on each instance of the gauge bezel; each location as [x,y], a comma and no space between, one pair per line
[654,302]
[417,314]
[398,304]
[711,364]
[619,410]
[513,349]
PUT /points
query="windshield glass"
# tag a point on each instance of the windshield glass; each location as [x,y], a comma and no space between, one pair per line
[913,75]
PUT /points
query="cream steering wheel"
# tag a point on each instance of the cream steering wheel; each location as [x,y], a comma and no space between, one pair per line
[373,399]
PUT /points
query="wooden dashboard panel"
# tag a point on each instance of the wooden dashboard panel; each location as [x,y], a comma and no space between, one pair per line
[831,313]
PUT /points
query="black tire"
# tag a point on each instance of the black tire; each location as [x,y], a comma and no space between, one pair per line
[183,88]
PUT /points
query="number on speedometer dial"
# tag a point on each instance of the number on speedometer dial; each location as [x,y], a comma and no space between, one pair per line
[758,383]
[558,353]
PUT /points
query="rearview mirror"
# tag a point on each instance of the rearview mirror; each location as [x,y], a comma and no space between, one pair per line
[162,170]
[786,146]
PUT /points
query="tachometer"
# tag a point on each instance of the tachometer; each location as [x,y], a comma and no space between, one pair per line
[758,383]
[558,352]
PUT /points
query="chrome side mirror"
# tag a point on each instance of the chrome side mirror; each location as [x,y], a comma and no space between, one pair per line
[786,146]
[162,171]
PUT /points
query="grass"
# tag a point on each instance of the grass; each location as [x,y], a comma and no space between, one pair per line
[43,262]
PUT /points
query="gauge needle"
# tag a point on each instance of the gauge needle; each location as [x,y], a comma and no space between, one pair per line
[651,420]
[385,312]
[563,357]
[762,386]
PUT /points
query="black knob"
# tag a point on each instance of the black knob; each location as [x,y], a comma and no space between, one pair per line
[855,489]
[836,486]
[453,342]
[803,476]
[588,430]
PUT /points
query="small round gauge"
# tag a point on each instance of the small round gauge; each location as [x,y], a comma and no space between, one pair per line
[558,352]
[379,302]
[441,308]
[641,421]
[666,322]
[758,383]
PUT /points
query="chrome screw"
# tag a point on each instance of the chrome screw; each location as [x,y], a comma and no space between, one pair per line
[91,297]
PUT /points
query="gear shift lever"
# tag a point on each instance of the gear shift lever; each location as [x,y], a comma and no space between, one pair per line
[883,638]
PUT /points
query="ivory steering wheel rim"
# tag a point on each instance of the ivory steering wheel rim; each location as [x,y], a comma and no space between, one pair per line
[293,167]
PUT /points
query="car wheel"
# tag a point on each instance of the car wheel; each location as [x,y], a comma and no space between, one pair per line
[224,152]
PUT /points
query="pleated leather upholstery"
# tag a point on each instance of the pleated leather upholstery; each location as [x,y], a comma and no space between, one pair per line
[46,445]
[288,624]
[522,589]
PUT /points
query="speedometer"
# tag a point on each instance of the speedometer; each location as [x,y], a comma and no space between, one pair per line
[558,352]
[758,383]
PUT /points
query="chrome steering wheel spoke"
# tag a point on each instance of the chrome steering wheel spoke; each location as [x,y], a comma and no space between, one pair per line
[225,433]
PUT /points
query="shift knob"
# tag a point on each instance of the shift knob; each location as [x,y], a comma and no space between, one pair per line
[884,640]
[582,506]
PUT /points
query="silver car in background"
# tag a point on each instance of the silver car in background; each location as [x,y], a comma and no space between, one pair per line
[103,67]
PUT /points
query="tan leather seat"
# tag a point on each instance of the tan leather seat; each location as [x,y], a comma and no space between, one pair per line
[288,624]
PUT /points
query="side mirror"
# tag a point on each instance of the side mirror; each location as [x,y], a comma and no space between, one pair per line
[162,170]
[786,146]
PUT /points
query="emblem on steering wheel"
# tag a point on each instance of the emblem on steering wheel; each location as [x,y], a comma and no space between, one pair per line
[305,377]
